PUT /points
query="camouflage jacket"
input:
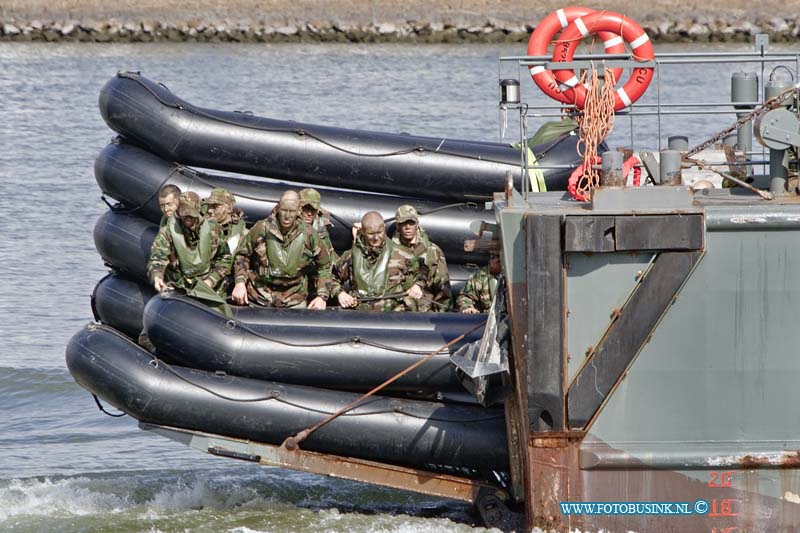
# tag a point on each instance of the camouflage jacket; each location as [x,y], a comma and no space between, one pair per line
[275,267]
[371,274]
[321,224]
[185,257]
[231,234]
[437,289]
[478,291]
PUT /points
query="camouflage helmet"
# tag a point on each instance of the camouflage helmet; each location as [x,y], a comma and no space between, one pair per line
[310,197]
[189,205]
[406,213]
[220,196]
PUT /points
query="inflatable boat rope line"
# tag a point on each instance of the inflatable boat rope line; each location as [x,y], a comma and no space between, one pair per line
[155,362]
[358,339]
[299,131]
[291,443]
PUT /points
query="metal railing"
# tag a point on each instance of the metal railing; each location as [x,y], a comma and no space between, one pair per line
[658,109]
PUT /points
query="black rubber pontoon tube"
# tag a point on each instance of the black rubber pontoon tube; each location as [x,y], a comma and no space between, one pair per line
[424,167]
[404,432]
[119,301]
[344,358]
[134,176]
[124,241]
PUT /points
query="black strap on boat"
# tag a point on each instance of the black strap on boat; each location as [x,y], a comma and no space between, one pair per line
[102,409]
[291,443]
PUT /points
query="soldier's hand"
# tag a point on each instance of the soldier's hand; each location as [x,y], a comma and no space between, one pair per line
[317,303]
[470,311]
[345,300]
[356,229]
[239,294]
[209,283]
[159,284]
[414,292]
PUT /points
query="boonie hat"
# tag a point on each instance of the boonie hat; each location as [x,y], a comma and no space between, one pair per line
[220,196]
[189,205]
[406,213]
[310,197]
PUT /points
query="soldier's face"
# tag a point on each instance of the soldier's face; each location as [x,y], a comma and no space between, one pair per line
[494,265]
[189,222]
[308,213]
[220,212]
[374,236]
[408,230]
[168,205]
[288,210]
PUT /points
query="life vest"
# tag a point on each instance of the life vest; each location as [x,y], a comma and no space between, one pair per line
[234,235]
[193,261]
[371,279]
[284,261]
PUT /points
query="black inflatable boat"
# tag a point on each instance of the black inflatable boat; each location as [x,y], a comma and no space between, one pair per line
[398,431]
[149,114]
[344,357]
[266,374]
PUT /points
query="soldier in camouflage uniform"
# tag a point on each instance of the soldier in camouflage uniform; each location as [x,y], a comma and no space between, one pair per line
[436,294]
[313,215]
[383,276]
[168,198]
[274,260]
[480,288]
[221,207]
[195,242]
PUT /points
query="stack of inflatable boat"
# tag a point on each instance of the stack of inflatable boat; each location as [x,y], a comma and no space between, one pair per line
[267,374]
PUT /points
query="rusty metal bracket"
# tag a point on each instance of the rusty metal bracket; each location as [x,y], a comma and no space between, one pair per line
[398,477]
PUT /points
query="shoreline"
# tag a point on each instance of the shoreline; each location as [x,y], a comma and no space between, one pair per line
[114,31]
[278,26]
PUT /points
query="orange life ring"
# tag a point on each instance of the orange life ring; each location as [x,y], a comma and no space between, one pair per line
[631,33]
[543,35]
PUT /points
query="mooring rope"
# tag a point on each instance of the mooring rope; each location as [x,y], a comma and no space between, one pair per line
[595,124]
[292,443]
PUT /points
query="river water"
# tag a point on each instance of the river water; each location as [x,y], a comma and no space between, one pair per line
[64,465]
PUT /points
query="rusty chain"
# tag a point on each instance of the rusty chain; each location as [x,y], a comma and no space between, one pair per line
[769,105]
